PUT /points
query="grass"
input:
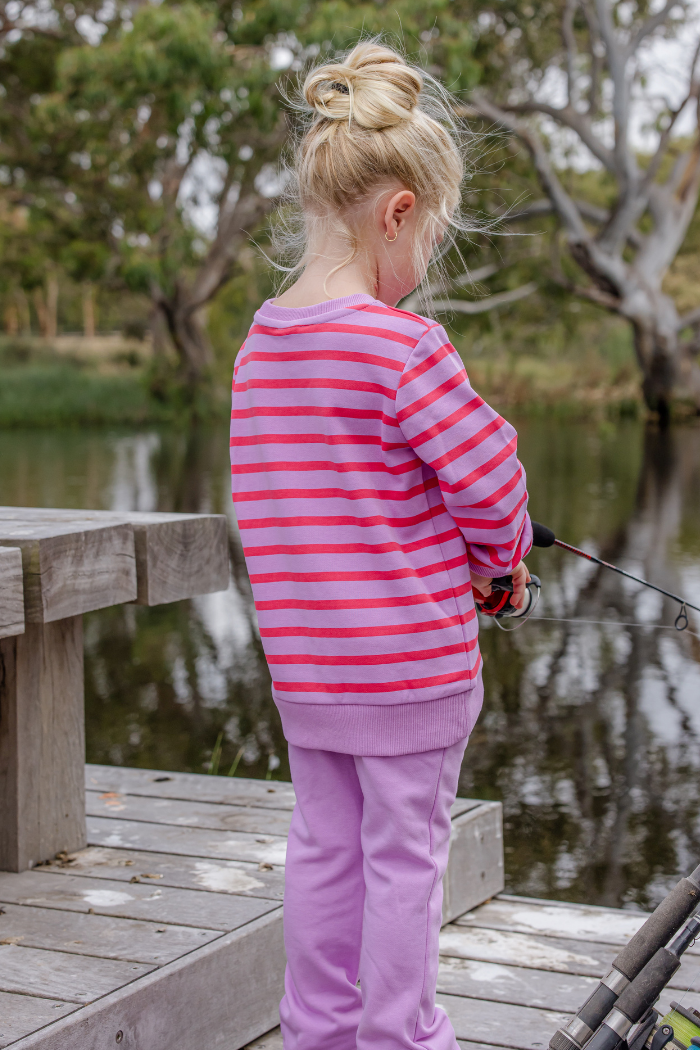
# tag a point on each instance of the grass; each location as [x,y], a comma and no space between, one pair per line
[48,395]
[41,387]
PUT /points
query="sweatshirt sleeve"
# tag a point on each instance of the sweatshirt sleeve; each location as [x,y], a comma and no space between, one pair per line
[472,450]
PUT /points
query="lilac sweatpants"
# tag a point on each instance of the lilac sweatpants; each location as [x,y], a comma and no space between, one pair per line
[367,851]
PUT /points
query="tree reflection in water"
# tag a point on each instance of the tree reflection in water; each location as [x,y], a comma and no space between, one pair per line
[589,734]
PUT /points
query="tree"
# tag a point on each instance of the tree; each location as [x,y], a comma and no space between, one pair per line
[178,111]
[594,55]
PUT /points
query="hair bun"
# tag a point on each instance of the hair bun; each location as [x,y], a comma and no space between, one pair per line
[373,87]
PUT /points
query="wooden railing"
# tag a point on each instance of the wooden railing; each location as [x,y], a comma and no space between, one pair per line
[56,565]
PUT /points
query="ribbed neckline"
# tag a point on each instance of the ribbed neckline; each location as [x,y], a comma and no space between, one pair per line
[307,313]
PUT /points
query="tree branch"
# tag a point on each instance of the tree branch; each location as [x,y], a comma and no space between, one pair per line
[481,306]
[689,319]
[471,277]
[650,25]
[567,32]
[569,118]
[563,204]
[590,212]
[591,294]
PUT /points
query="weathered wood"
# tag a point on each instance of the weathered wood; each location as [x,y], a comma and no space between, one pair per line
[181,872]
[475,868]
[62,975]
[99,935]
[270,1041]
[583,923]
[481,1021]
[220,996]
[146,899]
[71,564]
[514,984]
[254,819]
[195,787]
[22,1014]
[42,743]
[466,1044]
[189,842]
[517,949]
[179,555]
[543,953]
[11,592]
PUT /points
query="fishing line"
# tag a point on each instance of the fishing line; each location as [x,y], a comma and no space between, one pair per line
[618,623]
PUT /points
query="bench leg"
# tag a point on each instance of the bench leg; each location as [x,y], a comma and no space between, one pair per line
[42,743]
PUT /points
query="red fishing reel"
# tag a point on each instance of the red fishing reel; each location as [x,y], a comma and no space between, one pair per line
[498,603]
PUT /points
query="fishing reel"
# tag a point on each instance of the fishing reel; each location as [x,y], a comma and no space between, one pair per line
[679,1029]
[498,603]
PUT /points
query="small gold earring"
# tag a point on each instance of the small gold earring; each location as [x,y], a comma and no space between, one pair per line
[391,239]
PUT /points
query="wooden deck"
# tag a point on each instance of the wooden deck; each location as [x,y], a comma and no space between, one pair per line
[165,933]
[513,969]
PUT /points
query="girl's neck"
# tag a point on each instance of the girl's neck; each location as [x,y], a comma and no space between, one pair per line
[318,284]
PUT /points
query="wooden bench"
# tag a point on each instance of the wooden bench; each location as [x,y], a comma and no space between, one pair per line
[72,562]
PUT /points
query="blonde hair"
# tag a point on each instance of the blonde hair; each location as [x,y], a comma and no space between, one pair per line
[372,119]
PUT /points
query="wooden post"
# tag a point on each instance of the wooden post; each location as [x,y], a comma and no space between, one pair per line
[11,592]
[74,561]
[42,743]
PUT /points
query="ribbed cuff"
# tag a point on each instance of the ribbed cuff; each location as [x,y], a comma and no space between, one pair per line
[382,729]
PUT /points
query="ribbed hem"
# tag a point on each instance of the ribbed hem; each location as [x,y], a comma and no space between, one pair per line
[382,729]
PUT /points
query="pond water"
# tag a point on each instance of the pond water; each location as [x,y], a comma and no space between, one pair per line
[590,732]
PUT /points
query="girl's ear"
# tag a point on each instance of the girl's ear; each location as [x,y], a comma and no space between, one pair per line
[398,209]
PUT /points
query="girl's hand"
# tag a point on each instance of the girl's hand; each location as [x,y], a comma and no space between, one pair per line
[521,577]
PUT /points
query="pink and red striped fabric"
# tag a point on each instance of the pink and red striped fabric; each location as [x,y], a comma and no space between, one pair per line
[367,476]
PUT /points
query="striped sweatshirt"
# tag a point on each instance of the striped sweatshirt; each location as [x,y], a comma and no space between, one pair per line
[367,478]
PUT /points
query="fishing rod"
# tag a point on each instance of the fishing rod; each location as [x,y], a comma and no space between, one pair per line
[544,537]
[625,997]
[499,605]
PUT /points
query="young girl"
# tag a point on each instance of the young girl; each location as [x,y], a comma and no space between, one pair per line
[373,487]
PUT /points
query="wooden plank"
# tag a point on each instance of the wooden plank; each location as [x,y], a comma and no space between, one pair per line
[60,975]
[147,899]
[179,555]
[42,743]
[581,923]
[71,564]
[475,868]
[22,1014]
[195,787]
[516,949]
[219,817]
[543,953]
[190,842]
[222,995]
[270,1041]
[11,592]
[181,872]
[522,1027]
[99,935]
[565,992]
[466,1044]
[514,984]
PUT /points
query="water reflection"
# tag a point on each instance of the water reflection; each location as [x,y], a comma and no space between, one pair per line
[590,731]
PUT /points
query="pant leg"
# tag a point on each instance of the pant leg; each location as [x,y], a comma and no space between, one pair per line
[323,904]
[405,841]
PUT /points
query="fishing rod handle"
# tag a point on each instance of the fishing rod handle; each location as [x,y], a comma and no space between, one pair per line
[671,913]
[635,1001]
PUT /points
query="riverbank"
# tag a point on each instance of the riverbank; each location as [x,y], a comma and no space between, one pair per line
[42,387]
